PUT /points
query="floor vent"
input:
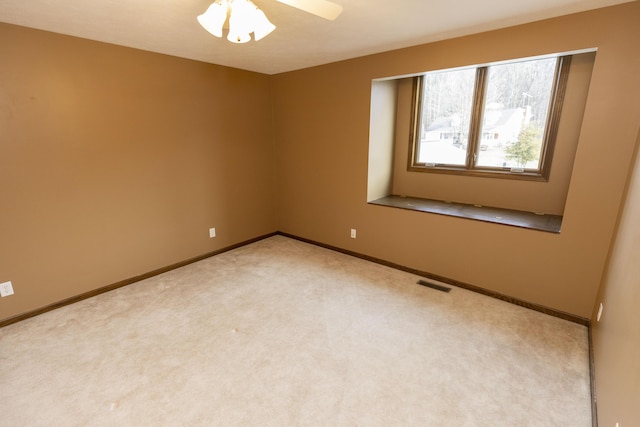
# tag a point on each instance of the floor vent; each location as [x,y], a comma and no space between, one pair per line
[433,286]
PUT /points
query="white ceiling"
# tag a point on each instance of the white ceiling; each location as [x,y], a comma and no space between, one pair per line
[301,40]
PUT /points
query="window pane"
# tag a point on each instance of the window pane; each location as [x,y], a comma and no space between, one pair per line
[446,112]
[515,114]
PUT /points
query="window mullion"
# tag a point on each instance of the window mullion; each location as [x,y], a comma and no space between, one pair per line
[476,117]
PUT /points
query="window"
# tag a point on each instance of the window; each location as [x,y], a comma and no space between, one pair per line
[499,120]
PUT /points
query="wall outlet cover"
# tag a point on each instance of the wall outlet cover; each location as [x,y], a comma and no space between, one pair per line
[6,289]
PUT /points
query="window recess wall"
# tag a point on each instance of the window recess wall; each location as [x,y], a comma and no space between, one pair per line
[546,197]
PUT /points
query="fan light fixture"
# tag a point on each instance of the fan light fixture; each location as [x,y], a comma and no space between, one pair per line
[244,18]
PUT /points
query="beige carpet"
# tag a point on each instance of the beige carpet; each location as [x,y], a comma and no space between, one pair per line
[282,333]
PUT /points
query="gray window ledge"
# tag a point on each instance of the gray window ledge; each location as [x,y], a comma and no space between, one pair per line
[510,217]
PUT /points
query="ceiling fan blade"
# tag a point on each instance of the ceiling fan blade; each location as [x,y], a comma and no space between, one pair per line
[322,8]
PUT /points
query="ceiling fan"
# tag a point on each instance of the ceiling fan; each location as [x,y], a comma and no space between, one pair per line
[245,17]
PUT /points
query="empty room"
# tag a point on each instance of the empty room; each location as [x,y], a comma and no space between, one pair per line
[312,212]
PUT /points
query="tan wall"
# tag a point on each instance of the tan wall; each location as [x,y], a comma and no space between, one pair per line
[115,162]
[616,338]
[322,125]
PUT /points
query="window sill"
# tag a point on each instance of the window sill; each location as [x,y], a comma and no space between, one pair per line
[510,217]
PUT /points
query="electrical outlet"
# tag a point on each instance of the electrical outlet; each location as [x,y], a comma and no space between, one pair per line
[6,289]
[212,232]
[599,312]
[353,233]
